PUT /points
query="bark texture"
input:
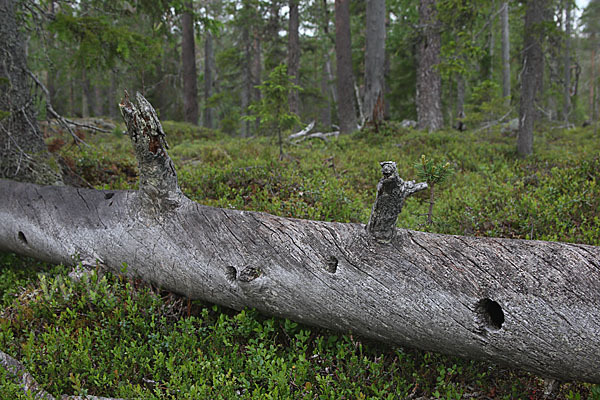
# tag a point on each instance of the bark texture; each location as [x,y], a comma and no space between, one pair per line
[532,77]
[293,61]
[528,304]
[23,153]
[373,106]
[429,82]
[345,80]
[188,61]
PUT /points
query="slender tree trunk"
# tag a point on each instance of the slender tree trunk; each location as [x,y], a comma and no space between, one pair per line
[188,60]
[246,89]
[429,82]
[345,80]
[567,64]
[327,87]
[112,109]
[460,102]
[256,71]
[531,79]
[209,62]
[293,61]
[386,76]
[373,106]
[99,96]
[23,154]
[492,43]
[505,54]
[592,107]
[85,95]
[529,304]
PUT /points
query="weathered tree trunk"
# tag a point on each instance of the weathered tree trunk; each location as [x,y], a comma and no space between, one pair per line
[528,304]
[23,154]
[293,61]
[531,79]
[373,105]
[188,60]
[505,53]
[429,82]
[345,80]
[209,68]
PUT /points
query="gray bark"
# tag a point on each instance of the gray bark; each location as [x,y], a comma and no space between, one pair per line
[505,53]
[188,61]
[293,61]
[429,82]
[209,68]
[528,304]
[373,105]
[567,64]
[345,80]
[532,76]
[23,154]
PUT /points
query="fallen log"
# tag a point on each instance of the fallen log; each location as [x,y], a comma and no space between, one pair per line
[532,305]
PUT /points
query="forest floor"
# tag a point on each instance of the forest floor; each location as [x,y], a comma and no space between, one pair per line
[109,336]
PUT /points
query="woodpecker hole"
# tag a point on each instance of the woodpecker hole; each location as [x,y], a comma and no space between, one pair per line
[489,314]
[22,237]
[331,264]
[108,196]
[230,273]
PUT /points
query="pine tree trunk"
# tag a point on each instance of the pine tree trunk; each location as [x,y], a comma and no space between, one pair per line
[373,105]
[345,80]
[567,64]
[531,78]
[188,60]
[293,62]
[429,83]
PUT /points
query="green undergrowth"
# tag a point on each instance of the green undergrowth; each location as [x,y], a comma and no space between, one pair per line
[106,335]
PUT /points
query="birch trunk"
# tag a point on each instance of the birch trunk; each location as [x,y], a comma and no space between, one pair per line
[528,304]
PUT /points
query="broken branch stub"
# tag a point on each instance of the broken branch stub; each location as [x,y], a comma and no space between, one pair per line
[159,190]
[391,193]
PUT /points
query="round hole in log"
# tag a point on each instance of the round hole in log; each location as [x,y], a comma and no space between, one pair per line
[230,273]
[331,264]
[22,237]
[489,314]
